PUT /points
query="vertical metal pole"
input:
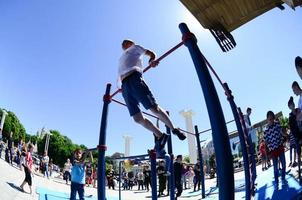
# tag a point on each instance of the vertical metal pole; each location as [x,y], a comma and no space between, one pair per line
[120,180]
[203,191]
[152,155]
[242,140]
[171,177]
[251,151]
[102,146]
[220,136]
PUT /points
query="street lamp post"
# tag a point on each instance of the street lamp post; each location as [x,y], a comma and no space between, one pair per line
[47,134]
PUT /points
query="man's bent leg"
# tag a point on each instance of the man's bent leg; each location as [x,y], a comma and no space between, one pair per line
[145,122]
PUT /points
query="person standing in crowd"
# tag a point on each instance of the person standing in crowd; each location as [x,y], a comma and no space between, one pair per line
[66,171]
[190,176]
[50,167]
[89,172]
[95,176]
[10,148]
[292,150]
[298,92]
[295,126]
[1,147]
[130,180]
[110,177]
[178,167]
[45,162]
[28,168]
[197,177]
[262,150]
[273,139]
[140,179]
[78,174]
[247,119]
[162,179]
[298,64]
[147,174]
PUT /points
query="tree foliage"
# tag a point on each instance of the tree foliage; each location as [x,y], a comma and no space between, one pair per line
[12,124]
[60,147]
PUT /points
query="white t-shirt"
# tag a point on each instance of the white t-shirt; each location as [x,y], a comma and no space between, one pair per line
[45,160]
[131,60]
[67,167]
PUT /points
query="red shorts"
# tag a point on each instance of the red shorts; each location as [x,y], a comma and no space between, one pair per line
[276,152]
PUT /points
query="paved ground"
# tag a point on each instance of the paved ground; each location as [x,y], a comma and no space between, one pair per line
[12,177]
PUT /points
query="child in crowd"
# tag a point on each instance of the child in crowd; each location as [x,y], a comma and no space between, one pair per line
[274,141]
[78,174]
[67,170]
[263,155]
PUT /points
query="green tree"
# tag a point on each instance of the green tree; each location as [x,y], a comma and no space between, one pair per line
[284,122]
[187,159]
[12,124]
[60,147]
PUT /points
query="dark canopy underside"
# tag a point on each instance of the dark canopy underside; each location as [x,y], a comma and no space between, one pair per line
[230,14]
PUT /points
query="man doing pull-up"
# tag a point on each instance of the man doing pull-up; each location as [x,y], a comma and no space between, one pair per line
[135,90]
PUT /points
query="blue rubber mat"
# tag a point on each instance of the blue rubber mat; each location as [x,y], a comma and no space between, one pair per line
[46,194]
[266,189]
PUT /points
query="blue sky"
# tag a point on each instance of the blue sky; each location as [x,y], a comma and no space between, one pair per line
[57,56]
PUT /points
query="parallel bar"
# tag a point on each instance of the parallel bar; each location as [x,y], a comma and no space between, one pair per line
[204,131]
[220,135]
[102,142]
[242,143]
[251,151]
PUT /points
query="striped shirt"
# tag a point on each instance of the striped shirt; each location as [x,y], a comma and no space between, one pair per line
[273,136]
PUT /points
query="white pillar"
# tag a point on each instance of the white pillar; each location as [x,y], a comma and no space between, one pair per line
[127,139]
[4,113]
[187,114]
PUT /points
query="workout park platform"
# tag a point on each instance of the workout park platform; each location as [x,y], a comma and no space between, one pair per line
[265,189]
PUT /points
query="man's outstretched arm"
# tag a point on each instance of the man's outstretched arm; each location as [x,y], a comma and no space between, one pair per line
[152,56]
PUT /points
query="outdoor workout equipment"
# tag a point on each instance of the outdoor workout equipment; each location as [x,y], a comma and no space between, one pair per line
[139,157]
[222,148]
[225,171]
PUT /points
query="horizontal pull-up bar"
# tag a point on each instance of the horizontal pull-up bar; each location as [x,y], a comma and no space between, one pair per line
[157,60]
[204,130]
[131,157]
[211,129]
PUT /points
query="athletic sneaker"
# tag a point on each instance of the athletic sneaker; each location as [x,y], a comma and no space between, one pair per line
[161,142]
[179,134]
[160,153]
